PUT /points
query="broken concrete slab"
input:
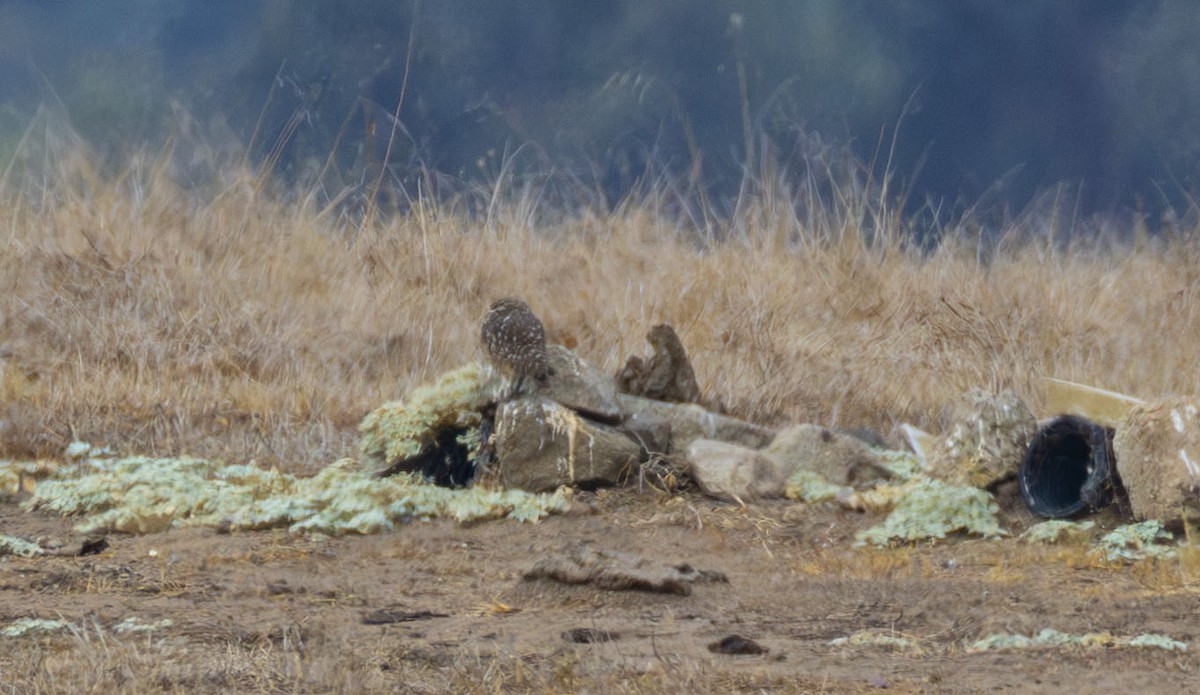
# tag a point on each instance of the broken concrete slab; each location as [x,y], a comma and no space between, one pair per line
[1101,406]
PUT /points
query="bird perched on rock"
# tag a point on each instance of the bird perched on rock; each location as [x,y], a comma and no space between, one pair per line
[515,341]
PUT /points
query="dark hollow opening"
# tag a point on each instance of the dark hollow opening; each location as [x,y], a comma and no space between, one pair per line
[1066,470]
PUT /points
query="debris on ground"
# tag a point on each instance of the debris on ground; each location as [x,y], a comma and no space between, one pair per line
[615,571]
[24,627]
[1050,638]
[885,640]
[736,644]
[134,624]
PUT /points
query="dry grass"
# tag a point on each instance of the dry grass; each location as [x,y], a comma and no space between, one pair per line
[250,325]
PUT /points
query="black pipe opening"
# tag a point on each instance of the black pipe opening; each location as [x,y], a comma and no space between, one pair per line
[1068,469]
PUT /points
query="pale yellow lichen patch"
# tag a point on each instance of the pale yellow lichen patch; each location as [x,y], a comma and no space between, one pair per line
[144,495]
[399,430]
[925,508]
[1058,531]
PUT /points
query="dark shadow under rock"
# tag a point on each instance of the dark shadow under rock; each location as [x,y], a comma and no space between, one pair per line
[445,461]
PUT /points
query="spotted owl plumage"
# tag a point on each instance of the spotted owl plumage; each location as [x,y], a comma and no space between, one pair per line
[515,341]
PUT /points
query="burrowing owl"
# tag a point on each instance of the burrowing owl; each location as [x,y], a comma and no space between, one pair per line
[515,341]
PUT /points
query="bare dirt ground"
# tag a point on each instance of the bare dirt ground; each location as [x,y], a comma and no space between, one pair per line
[442,607]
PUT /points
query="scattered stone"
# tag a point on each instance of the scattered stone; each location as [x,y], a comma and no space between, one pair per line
[542,445]
[987,440]
[667,375]
[589,635]
[614,571]
[690,422]
[839,458]
[1157,450]
[736,644]
[735,473]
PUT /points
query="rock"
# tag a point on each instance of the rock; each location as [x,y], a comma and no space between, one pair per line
[589,635]
[614,571]
[690,422]
[736,644]
[986,442]
[581,386]
[541,445]
[839,458]
[666,376]
[651,432]
[1157,449]
[731,472]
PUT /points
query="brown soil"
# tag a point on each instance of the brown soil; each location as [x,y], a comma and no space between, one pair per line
[441,607]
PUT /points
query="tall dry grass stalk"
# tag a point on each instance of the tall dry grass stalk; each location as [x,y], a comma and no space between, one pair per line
[246,325]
